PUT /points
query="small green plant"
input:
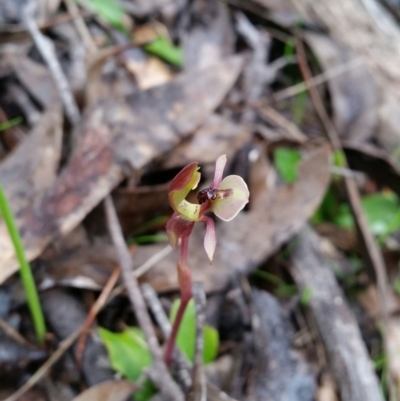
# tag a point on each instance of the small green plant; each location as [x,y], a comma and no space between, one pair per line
[225,198]
[10,123]
[165,49]
[149,239]
[109,11]
[186,336]
[282,289]
[25,269]
[381,210]
[286,161]
[306,296]
[129,353]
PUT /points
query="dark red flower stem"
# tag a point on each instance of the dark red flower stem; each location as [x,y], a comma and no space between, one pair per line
[185,285]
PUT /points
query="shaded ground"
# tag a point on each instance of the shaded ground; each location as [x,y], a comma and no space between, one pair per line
[102,103]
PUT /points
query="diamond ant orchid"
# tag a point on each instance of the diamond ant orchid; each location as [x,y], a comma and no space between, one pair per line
[225,198]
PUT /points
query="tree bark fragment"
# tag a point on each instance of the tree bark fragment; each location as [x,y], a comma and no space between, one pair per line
[346,351]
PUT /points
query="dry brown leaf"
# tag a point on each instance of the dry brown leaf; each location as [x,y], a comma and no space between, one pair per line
[327,389]
[210,38]
[375,37]
[86,267]
[369,300]
[353,94]
[118,137]
[32,166]
[275,216]
[393,348]
[376,163]
[148,71]
[137,205]
[118,390]
[36,79]
[347,354]
[218,135]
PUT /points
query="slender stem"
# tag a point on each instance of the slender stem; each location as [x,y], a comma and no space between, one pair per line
[25,269]
[185,285]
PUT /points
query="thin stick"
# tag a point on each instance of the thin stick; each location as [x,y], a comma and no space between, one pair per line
[144,268]
[80,26]
[213,392]
[38,375]
[51,361]
[163,379]
[353,194]
[181,365]
[12,333]
[157,257]
[94,310]
[199,379]
[318,79]
[46,49]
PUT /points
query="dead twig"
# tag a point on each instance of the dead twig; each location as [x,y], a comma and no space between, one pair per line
[144,268]
[94,310]
[213,392]
[64,346]
[199,380]
[371,248]
[41,372]
[347,354]
[46,49]
[80,25]
[12,333]
[318,79]
[160,376]
[182,367]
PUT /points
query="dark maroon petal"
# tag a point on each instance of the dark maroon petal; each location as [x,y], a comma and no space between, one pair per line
[177,227]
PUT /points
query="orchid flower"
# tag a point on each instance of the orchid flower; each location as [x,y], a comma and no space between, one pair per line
[225,198]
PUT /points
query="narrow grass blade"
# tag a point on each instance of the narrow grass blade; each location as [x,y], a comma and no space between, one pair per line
[25,269]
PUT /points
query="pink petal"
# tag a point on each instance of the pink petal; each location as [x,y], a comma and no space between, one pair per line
[236,196]
[177,227]
[219,171]
[210,239]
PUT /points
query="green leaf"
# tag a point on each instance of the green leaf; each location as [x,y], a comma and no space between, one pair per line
[163,48]
[154,223]
[282,289]
[129,355]
[150,239]
[397,285]
[289,48]
[306,296]
[187,334]
[10,123]
[127,350]
[285,290]
[286,162]
[110,11]
[211,344]
[339,158]
[328,208]
[380,209]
